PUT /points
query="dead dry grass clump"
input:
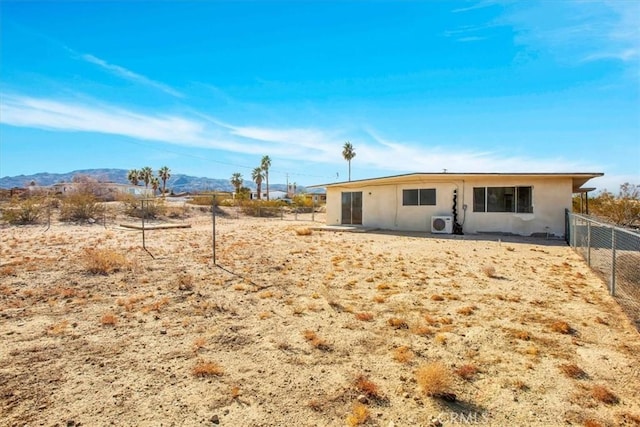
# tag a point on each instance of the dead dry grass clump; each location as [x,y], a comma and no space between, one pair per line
[562,327]
[467,311]
[467,372]
[207,369]
[358,416]
[365,317]
[403,354]
[367,387]
[604,395]
[304,231]
[109,319]
[434,379]
[315,341]
[573,371]
[398,323]
[104,261]
[489,271]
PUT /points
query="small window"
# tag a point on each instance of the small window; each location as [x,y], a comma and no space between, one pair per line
[421,197]
[525,200]
[428,196]
[409,197]
[479,199]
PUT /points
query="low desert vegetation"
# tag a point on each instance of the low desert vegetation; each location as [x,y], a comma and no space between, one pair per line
[109,319]
[562,327]
[315,341]
[573,371]
[207,369]
[358,416]
[467,372]
[364,385]
[304,231]
[335,329]
[104,261]
[434,379]
[604,395]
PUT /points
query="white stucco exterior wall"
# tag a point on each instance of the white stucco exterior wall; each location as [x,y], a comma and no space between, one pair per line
[382,204]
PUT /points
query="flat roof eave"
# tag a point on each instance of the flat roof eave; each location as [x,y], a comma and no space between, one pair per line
[579,178]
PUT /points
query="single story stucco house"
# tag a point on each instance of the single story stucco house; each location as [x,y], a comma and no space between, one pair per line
[511,203]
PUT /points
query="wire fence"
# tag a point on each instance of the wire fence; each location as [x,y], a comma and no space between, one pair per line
[613,253]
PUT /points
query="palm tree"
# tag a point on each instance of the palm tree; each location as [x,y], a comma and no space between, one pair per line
[348,154]
[265,165]
[236,181]
[132,176]
[145,174]
[155,184]
[257,177]
[164,173]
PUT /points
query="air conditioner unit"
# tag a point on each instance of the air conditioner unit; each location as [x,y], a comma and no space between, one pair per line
[442,224]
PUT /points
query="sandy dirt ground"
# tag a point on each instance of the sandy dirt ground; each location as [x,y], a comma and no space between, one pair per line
[302,327]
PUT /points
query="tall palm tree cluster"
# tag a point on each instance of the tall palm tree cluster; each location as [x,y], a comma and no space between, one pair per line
[259,175]
[136,176]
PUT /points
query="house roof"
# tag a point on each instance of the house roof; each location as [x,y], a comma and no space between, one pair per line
[578,179]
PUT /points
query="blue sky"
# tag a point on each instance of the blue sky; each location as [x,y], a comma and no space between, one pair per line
[209,87]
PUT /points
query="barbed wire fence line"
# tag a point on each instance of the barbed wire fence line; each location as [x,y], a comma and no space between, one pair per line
[614,254]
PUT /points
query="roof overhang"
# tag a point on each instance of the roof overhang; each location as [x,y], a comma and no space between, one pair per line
[578,179]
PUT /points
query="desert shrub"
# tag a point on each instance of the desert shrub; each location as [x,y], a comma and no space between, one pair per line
[398,323]
[207,369]
[153,208]
[27,211]
[103,261]
[573,371]
[604,395]
[562,327]
[358,415]
[109,319]
[403,354]
[367,387]
[365,316]
[260,208]
[434,379]
[489,271]
[177,212]
[315,341]
[304,231]
[467,372]
[79,206]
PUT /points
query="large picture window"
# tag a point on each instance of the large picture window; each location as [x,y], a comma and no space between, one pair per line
[503,199]
[419,197]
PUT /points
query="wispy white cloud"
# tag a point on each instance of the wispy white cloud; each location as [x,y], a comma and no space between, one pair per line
[296,144]
[405,156]
[130,75]
[577,31]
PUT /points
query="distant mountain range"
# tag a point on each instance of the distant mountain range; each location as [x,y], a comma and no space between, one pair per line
[178,182]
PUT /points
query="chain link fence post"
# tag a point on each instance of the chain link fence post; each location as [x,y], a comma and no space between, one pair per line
[613,261]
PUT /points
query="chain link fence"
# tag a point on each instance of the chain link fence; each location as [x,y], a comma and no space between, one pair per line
[613,253]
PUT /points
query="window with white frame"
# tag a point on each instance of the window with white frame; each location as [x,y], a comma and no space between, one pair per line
[503,199]
[419,197]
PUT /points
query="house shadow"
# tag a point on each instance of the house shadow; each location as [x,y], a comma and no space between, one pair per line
[501,238]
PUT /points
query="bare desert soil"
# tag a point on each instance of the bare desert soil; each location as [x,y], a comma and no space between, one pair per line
[302,327]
